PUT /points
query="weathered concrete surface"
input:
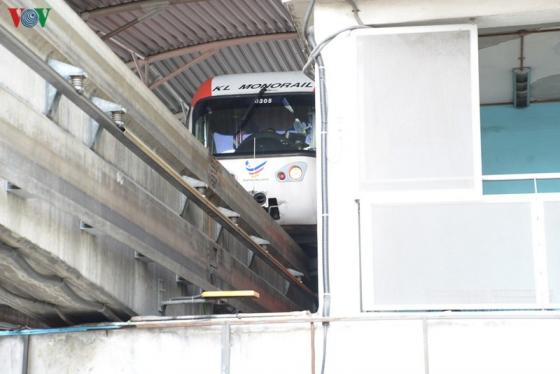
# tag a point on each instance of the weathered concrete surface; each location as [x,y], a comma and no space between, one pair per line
[430,343]
[11,355]
[183,351]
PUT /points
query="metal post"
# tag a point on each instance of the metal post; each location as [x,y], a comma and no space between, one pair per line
[25,360]
[226,348]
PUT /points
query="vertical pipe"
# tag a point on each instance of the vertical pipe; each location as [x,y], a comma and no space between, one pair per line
[326,302]
[323,162]
[25,360]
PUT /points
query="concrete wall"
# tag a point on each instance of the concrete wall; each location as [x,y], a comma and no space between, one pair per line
[11,354]
[428,344]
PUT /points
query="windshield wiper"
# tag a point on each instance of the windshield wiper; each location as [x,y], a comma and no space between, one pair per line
[249,111]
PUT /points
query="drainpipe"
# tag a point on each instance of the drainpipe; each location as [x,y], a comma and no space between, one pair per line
[326,302]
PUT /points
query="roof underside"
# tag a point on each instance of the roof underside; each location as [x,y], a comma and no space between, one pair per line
[257,35]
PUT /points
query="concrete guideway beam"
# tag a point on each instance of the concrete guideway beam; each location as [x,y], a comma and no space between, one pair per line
[151,120]
[141,150]
[37,310]
[41,262]
[43,159]
[49,263]
[16,270]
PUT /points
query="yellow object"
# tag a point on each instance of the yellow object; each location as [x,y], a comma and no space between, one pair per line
[229,294]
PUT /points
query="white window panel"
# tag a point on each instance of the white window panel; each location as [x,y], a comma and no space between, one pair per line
[449,255]
[418,109]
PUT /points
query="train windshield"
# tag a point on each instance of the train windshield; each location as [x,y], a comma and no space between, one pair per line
[260,124]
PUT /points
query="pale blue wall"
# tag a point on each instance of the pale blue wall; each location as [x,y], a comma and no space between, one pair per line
[520,141]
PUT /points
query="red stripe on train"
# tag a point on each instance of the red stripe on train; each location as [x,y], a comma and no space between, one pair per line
[204,91]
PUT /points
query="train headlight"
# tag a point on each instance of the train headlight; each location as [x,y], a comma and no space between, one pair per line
[295,172]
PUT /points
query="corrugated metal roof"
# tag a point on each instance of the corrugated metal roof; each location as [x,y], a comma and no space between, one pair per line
[192,23]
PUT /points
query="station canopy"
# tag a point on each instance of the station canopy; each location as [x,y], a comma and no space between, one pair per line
[175,45]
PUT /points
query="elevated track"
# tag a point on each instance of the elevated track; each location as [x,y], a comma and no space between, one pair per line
[76,180]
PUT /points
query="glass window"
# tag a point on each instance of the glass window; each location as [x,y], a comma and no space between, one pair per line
[520,152]
[256,125]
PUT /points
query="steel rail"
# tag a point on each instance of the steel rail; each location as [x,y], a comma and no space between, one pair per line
[135,145]
[167,172]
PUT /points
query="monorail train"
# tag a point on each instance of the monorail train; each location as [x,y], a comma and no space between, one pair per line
[261,127]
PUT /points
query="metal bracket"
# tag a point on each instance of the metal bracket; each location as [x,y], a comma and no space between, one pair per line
[116,111]
[262,242]
[94,133]
[297,274]
[16,190]
[53,99]
[218,233]
[107,106]
[180,280]
[69,72]
[287,285]
[233,216]
[250,258]
[89,228]
[195,183]
[140,257]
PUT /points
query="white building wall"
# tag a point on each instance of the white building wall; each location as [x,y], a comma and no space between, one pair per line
[345,97]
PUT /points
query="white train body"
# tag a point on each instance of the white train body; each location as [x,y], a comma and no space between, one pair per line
[261,128]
